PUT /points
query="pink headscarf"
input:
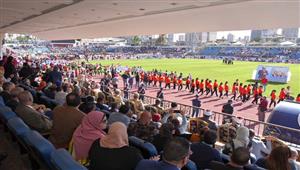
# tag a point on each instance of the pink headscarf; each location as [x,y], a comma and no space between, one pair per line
[87,132]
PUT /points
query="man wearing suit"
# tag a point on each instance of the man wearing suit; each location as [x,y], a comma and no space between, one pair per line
[32,117]
[65,120]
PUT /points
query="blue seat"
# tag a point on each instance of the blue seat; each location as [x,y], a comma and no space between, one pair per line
[147,149]
[62,160]
[6,113]
[190,166]
[17,126]
[2,101]
[40,147]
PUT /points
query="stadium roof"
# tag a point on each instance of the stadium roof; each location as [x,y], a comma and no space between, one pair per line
[75,19]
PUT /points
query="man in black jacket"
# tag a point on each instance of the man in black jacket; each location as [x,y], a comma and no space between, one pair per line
[228,109]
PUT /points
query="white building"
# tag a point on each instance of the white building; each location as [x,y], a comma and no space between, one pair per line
[230,37]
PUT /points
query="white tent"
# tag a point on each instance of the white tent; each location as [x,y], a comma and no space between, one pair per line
[238,43]
[287,43]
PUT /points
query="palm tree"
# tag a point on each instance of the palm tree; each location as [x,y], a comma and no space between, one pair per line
[161,40]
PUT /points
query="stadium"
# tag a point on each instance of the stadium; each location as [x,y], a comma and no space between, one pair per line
[152,85]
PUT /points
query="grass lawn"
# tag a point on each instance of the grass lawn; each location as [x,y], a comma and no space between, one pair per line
[213,69]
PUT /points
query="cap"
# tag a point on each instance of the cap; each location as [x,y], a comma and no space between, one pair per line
[208,113]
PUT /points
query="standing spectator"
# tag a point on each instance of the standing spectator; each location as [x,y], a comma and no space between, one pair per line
[264,82]
[142,92]
[113,152]
[262,108]
[65,120]
[55,76]
[9,68]
[196,103]
[160,95]
[204,152]
[228,109]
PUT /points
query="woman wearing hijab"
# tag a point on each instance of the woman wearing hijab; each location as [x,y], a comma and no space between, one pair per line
[112,152]
[90,129]
[241,140]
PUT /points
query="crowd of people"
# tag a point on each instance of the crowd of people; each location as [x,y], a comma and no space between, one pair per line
[96,120]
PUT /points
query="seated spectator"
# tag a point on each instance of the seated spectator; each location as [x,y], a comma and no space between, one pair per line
[144,128]
[13,103]
[101,102]
[179,115]
[138,104]
[241,140]
[204,152]
[113,152]
[31,116]
[259,149]
[118,98]
[175,156]
[50,91]
[90,129]
[294,157]
[277,160]
[65,120]
[157,105]
[206,117]
[7,87]
[166,133]
[240,157]
[60,95]
[88,105]
[121,116]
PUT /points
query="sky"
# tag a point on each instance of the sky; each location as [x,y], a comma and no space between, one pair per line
[236,34]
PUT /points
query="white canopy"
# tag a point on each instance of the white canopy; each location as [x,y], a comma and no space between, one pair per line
[287,43]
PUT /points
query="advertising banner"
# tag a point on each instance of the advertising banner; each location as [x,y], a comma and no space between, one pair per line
[272,73]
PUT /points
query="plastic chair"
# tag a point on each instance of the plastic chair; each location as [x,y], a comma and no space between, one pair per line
[62,160]
[147,149]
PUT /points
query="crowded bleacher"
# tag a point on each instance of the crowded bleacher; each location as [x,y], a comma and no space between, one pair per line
[63,120]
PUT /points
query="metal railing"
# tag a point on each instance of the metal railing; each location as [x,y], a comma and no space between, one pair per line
[261,128]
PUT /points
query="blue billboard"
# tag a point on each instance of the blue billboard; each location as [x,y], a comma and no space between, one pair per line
[272,73]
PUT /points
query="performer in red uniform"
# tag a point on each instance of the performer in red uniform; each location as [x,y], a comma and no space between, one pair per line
[155,79]
[174,82]
[160,79]
[244,93]
[201,86]
[282,95]
[193,85]
[179,84]
[221,90]
[215,88]
[234,91]
[273,98]
[240,91]
[226,88]
[197,85]
[168,82]
[298,98]
[209,88]
[249,89]
[187,83]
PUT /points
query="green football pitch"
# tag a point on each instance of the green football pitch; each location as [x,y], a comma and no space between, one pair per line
[213,69]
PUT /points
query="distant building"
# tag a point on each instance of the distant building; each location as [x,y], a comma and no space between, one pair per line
[211,36]
[181,38]
[192,38]
[256,35]
[230,37]
[268,33]
[290,34]
[170,39]
[246,39]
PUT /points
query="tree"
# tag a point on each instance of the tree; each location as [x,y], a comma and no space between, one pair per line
[136,40]
[161,40]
